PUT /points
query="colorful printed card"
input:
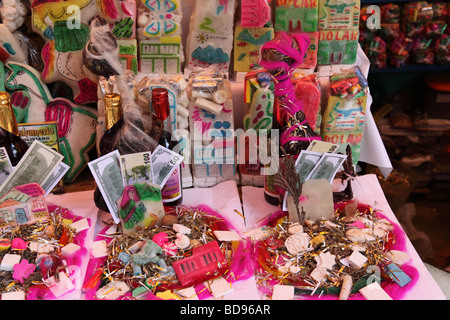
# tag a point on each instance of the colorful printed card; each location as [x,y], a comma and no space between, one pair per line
[337,46]
[296,16]
[339,14]
[247,46]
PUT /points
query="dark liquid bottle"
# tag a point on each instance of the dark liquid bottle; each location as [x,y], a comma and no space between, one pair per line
[172,192]
[9,132]
[109,142]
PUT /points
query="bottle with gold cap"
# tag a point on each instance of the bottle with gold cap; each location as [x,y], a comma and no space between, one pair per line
[113,123]
[9,132]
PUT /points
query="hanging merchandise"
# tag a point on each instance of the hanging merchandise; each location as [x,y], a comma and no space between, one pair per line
[344,116]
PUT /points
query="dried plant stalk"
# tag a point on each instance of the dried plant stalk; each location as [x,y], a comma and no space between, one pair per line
[288,179]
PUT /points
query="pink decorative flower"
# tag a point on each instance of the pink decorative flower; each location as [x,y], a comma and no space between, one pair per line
[23,270]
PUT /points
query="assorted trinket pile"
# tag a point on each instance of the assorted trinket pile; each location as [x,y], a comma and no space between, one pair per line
[194,253]
[337,257]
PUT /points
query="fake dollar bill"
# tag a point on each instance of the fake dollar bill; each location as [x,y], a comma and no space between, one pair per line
[136,168]
[327,167]
[36,165]
[5,165]
[106,172]
[55,178]
[164,163]
[306,162]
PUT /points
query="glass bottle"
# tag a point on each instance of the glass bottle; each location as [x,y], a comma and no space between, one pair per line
[172,192]
[9,131]
[113,125]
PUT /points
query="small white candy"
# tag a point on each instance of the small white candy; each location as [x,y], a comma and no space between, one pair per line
[356,235]
[15,295]
[297,243]
[295,228]
[182,241]
[357,260]
[60,287]
[142,20]
[99,249]
[319,274]
[9,260]
[346,288]
[80,225]
[112,290]
[181,229]
[281,292]
[227,235]
[220,96]
[40,247]
[208,105]
[218,287]
[374,292]
[398,257]
[70,249]
[187,293]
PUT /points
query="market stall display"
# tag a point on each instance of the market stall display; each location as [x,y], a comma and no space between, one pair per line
[113,97]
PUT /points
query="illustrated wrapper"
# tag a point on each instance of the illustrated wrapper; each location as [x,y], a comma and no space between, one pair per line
[310,59]
[164,18]
[65,28]
[160,46]
[32,102]
[259,101]
[247,46]
[344,116]
[211,127]
[259,98]
[339,14]
[23,205]
[140,206]
[296,16]
[337,47]
[162,55]
[128,54]
[210,39]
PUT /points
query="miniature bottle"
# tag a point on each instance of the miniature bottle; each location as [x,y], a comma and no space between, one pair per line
[9,131]
[172,192]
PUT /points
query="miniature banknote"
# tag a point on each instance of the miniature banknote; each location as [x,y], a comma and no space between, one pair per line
[306,162]
[36,165]
[5,165]
[55,178]
[327,167]
[106,172]
[136,168]
[323,147]
[164,163]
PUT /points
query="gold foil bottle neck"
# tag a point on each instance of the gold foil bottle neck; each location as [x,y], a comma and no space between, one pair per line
[113,109]
[7,118]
